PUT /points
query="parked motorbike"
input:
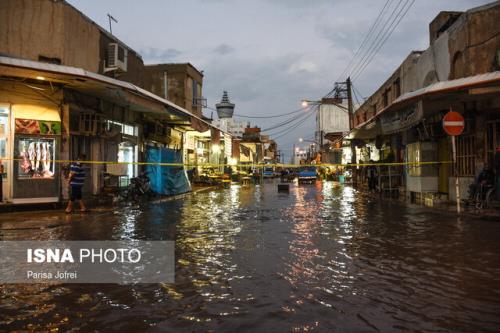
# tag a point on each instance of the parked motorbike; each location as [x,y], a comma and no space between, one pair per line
[139,188]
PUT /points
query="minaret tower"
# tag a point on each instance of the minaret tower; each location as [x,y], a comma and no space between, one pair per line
[225,108]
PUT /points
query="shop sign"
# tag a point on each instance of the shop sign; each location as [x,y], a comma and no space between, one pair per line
[42,127]
[190,144]
[403,119]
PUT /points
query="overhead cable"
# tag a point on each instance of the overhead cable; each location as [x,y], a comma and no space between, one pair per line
[387,35]
[366,39]
[373,45]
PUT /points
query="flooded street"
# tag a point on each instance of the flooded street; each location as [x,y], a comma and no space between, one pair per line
[319,258]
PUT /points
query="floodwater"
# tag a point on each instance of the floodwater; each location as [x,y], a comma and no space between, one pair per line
[320,258]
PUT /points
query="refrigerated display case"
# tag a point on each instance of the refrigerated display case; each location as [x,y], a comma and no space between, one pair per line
[36,155]
[36,171]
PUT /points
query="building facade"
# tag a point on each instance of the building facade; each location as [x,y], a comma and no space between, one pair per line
[179,83]
[67,86]
[402,120]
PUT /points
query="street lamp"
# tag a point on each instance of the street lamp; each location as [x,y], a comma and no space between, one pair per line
[312,141]
[306,103]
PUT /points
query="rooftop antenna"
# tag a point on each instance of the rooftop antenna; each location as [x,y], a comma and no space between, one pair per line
[111,18]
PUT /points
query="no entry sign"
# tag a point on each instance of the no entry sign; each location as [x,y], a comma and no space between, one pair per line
[453,123]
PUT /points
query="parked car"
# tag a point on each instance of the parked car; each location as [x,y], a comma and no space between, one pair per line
[307,174]
[268,172]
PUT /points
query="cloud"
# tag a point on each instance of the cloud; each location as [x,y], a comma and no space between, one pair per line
[299,3]
[223,49]
[303,66]
[152,54]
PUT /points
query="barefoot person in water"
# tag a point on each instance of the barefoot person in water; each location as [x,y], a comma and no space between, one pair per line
[76,181]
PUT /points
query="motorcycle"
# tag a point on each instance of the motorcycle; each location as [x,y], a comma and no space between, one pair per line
[138,188]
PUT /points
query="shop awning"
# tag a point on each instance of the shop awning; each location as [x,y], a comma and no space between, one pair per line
[406,103]
[121,92]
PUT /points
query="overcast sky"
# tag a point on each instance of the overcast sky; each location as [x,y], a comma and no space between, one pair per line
[269,54]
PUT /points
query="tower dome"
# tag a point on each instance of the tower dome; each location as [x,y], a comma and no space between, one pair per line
[225,108]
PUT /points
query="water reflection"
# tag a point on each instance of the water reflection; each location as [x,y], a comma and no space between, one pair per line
[322,257]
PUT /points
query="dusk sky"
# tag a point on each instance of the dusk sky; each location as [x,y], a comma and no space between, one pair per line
[268,54]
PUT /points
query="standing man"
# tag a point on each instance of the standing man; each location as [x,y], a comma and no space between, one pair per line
[76,181]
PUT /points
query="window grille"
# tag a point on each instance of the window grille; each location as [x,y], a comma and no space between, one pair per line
[466,159]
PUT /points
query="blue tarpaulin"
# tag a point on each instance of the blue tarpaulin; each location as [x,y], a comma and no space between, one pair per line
[168,180]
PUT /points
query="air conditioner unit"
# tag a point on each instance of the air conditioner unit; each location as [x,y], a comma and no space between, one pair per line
[117,57]
[91,123]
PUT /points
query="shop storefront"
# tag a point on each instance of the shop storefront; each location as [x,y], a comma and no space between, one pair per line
[4,150]
[31,144]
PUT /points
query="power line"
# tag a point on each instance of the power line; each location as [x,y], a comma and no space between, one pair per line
[392,16]
[291,124]
[377,42]
[356,90]
[366,39]
[288,121]
[264,117]
[274,116]
[355,96]
[292,128]
[387,35]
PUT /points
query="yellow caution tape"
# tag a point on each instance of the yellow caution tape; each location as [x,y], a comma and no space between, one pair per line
[278,165]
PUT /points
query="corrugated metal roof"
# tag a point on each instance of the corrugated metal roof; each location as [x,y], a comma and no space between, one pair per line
[82,73]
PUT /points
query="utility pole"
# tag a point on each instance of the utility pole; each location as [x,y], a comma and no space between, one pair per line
[349,102]
[350,110]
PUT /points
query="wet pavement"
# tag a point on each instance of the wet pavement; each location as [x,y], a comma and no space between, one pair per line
[320,258]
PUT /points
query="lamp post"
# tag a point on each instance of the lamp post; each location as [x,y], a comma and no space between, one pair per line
[311,141]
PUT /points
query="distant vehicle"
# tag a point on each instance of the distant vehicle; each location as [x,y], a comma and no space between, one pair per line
[307,174]
[268,172]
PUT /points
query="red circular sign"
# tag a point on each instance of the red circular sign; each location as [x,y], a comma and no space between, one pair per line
[453,123]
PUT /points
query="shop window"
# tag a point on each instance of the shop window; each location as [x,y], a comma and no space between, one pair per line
[127,153]
[4,133]
[413,158]
[466,158]
[37,157]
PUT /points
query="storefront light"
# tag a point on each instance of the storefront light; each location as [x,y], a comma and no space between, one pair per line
[215,149]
